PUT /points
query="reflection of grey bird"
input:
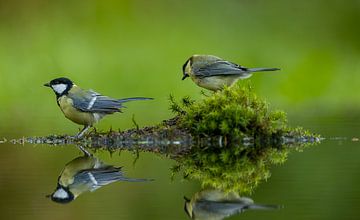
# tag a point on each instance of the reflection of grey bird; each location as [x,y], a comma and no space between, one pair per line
[84,107]
[85,174]
[213,73]
[217,205]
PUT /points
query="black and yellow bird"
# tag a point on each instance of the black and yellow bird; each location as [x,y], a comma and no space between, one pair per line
[84,107]
[213,73]
[84,174]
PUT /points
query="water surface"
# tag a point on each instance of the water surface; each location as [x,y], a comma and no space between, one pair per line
[318,183]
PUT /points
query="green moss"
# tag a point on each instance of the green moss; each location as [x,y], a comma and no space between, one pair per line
[232,112]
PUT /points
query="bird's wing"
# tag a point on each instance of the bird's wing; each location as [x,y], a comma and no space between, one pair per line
[90,101]
[220,68]
[225,209]
[96,178]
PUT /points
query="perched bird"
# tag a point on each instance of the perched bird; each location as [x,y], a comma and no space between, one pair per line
[84,107]
[83,174]
[213,73]
[216,205]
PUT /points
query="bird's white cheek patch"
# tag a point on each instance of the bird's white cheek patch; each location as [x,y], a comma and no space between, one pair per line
[59,88]
[61,194]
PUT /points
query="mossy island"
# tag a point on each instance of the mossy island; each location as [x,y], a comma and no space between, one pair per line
[233,115]
[228,140]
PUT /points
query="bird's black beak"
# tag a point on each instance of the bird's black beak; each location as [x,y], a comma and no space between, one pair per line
[185,76]
[186,199]
[47,84]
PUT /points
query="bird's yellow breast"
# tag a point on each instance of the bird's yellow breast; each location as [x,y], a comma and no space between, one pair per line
[74,167]
[215,83]
[79,117]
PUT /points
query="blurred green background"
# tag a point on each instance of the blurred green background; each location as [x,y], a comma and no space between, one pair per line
[136,48]
[132,48]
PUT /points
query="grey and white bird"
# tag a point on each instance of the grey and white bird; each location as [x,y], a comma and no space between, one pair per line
[86,174]
[216,205]
[213,73]
[85,107]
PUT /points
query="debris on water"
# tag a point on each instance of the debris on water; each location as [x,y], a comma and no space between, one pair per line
[51,140]
[288,140]
[4,140]
[338,138]
[167,141]
[355,139]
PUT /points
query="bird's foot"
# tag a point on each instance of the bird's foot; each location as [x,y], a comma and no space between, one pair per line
[82,132]
[87,153]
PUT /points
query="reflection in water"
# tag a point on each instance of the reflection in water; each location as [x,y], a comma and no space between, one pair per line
[231,168]
[226,170]
[216,204]
[227,173]
[83,174]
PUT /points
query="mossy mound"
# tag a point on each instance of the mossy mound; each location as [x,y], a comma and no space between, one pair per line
[233,112]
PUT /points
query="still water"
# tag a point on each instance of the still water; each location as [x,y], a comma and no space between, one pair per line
[314,182]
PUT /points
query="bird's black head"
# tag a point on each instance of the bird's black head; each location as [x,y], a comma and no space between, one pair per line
[185,74]
[62,195]
[60,86]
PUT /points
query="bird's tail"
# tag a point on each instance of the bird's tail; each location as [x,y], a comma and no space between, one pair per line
[263,207]
[262,69]
[135,179]
[133,99]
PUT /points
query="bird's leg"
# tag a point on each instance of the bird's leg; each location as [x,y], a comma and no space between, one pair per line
[87,153]
[204,93]
[82,132]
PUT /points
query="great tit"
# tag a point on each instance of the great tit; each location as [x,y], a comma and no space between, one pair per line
[84,107]
[83,174]
[215,205]
[213,73]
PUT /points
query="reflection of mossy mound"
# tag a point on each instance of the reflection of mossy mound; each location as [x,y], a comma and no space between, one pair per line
[232,169]
[234,112]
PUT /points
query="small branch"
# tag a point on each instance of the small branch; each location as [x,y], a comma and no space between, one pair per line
[134,122]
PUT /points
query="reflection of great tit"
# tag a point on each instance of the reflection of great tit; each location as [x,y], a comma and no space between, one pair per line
[84,107]
[84,174]
[216,205]
[211,72]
